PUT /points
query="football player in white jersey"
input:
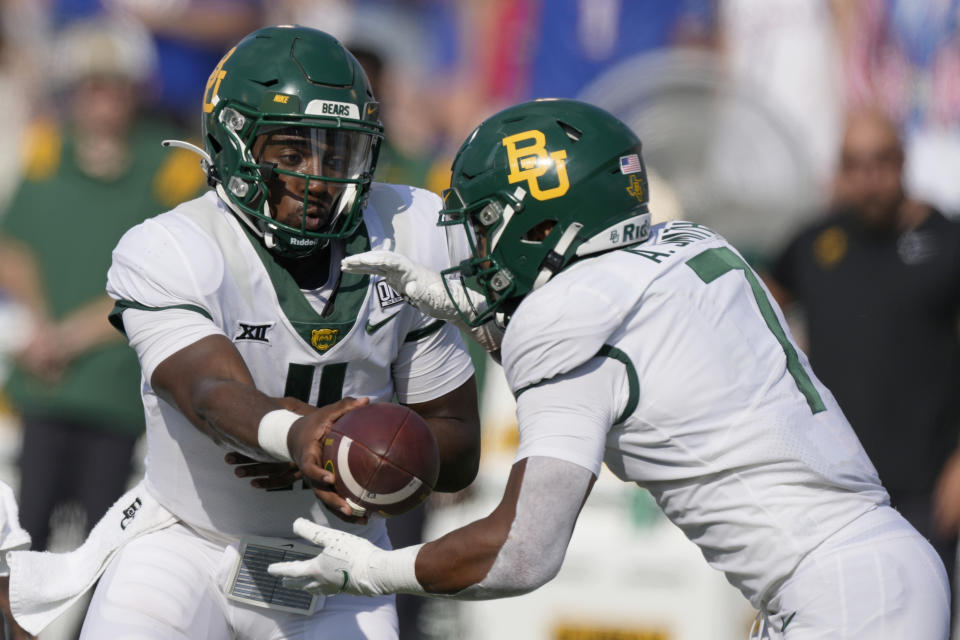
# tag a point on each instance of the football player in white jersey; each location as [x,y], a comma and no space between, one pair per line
[658,352]
[251,340]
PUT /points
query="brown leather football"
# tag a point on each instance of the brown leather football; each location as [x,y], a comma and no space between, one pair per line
[384,458]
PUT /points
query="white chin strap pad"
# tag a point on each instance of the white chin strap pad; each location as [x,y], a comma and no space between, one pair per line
[344,202]
[560,249]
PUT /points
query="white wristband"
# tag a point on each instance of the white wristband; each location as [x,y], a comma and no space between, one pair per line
[272,433]
[394,572]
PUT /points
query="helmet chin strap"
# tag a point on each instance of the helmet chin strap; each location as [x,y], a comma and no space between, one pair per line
[345,200]
[554,260]
[268,238]
[206,162]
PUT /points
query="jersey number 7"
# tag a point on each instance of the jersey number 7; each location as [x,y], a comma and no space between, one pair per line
[713,263]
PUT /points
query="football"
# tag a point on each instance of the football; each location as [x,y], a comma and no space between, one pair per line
[384,459]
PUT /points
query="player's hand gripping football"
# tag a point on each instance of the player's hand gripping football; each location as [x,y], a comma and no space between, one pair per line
[263,475]
[269,476]
[348,563]
[305,441]
[423,288]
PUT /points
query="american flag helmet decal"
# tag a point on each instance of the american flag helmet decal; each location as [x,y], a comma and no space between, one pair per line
[630,164]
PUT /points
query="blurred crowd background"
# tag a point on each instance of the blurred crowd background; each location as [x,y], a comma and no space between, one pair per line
[741,104]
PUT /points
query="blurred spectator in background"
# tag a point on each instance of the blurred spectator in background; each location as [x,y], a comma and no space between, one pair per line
[571,42]
[87,180]
[399,162]
[904,57]
[21,78]
[878,280]
[189,38]
[785,53]
[515,50]
[20,86]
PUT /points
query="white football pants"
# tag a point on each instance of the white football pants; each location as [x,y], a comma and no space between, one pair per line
[875,579]
[164,586]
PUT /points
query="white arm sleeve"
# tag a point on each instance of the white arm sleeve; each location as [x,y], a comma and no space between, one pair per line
[547,509]
[433,361]
[157,335]
[563,428]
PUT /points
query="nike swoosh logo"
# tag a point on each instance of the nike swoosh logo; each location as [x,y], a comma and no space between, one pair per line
[373,328]
[787,621]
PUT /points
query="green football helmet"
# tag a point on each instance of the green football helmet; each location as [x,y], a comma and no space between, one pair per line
[292,83]
[537,187]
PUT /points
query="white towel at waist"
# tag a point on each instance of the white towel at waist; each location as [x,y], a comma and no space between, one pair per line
[43,584]
[12,535]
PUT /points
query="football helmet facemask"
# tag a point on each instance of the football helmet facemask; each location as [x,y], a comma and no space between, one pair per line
[536,187]
[291,102]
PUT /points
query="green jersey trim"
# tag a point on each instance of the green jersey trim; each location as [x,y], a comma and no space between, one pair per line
[322,332]
[116,315]
[419,334]
[633,381]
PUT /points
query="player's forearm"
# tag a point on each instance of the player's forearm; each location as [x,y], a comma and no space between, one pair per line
[459,454]
[521,545]
[517,548]
[460,559]
[463,557]
[211,386]
[231,412]
[455,422]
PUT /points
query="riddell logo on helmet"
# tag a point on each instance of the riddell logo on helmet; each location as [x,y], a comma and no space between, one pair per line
[302,242]
[532,161]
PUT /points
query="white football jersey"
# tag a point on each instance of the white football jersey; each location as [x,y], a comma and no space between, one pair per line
[199,259]
[719,414]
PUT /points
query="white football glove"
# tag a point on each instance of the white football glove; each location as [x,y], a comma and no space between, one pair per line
[348,564]
[424,289]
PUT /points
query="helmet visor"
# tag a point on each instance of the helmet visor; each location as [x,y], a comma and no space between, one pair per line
[318,152]
[312,173]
